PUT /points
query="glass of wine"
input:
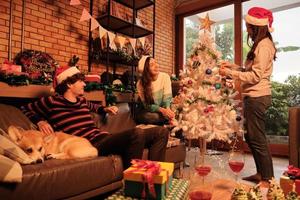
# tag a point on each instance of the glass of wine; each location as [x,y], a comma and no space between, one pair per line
[236,162]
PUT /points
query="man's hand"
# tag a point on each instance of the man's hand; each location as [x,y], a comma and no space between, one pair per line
[167,112]
[111,110]
[45,127]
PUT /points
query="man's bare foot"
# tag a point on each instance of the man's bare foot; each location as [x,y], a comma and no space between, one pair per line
[256,178]
[264,184]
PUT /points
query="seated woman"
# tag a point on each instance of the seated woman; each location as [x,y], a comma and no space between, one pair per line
[155,94]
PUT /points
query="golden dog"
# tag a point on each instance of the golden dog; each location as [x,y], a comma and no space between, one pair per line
[59,145]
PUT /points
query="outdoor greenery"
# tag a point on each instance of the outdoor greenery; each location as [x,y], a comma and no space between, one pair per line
[284,95]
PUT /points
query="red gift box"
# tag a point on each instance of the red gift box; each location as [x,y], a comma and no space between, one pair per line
[92,78]
[11,68]
[290,177]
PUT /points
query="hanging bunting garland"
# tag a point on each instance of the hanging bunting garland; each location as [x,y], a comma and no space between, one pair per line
[85,15]
[94,24]
[102,31]
[111,37]
[121,40]
[133,43]
[142,40]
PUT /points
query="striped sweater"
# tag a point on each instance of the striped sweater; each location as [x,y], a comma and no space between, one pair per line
[63,115]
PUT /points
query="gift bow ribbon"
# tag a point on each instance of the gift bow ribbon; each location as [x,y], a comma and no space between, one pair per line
[149,169]
[293,172]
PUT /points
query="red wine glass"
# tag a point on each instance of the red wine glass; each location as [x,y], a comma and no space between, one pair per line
[236,162]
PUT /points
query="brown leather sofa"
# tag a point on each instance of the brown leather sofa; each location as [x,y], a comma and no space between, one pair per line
[73,179]
[294,136]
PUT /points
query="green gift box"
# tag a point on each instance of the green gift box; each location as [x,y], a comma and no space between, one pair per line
[136,186]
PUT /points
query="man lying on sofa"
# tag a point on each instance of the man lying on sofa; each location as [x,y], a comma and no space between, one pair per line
[69,111]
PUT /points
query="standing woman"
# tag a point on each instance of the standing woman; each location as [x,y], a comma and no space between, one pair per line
[256,87]
[155,92]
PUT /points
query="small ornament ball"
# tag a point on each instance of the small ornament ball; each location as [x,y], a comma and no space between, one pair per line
[208,71]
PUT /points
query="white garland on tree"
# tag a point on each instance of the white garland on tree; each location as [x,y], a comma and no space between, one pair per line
[206,105]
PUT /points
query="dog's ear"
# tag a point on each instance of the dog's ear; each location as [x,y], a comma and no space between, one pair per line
[48,138]
[14,133]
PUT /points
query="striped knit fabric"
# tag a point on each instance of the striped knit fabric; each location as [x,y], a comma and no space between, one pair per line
[71,118]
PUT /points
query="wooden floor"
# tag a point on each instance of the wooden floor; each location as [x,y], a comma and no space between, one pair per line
[220,167]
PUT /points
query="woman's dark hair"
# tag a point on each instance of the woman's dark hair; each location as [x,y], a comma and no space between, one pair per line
[146,82]
[256,35]
[63,86]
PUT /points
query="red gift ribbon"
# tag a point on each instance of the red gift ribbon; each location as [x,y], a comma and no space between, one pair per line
[293,171]
[149,168]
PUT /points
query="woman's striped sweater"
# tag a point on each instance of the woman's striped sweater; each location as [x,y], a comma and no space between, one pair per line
[63,115]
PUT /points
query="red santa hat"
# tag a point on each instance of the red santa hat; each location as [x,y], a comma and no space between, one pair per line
[141,64]
[260,17]
[62,73]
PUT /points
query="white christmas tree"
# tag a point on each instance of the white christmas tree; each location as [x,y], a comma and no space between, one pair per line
[206,106]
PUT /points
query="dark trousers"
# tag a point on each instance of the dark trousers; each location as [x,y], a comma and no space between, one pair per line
[156,140]
[131,143]
[128,144]
[254,111]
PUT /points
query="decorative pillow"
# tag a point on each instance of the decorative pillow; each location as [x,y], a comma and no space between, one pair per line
[13,151]
[10,171]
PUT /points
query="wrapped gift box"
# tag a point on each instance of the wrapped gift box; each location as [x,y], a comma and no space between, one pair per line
[137,186]
[92,78]
[11,67]
[287,184]
[8,68]
[178,191]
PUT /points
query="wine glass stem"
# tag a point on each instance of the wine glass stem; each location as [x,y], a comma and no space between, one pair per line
[236,177]
[202,180]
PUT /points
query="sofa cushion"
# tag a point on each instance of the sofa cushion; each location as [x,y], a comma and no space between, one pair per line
[13,151]
[10,171]
[60,179]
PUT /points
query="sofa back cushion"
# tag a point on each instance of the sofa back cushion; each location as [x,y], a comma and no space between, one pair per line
[122,121]
[11,115]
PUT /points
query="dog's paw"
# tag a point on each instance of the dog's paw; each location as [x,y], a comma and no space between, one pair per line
[50,156]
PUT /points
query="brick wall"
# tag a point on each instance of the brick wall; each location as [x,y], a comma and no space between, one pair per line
[54,27]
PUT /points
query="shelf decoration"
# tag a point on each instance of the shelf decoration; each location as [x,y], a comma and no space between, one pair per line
[102,31]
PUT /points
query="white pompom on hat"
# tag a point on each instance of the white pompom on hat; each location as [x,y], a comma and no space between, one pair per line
[260,17]
[66,74]
[141,64]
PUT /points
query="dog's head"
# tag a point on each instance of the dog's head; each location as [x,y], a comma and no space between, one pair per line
[31,141]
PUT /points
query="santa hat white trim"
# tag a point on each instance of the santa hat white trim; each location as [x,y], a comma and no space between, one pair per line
[258,22]
[66,74]
[141,65]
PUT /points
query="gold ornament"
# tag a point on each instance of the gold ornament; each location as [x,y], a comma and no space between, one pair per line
[206,23]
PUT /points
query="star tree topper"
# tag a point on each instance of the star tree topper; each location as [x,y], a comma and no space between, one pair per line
[206,23]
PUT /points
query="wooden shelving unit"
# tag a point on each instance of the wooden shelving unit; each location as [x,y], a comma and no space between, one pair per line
[36,91]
